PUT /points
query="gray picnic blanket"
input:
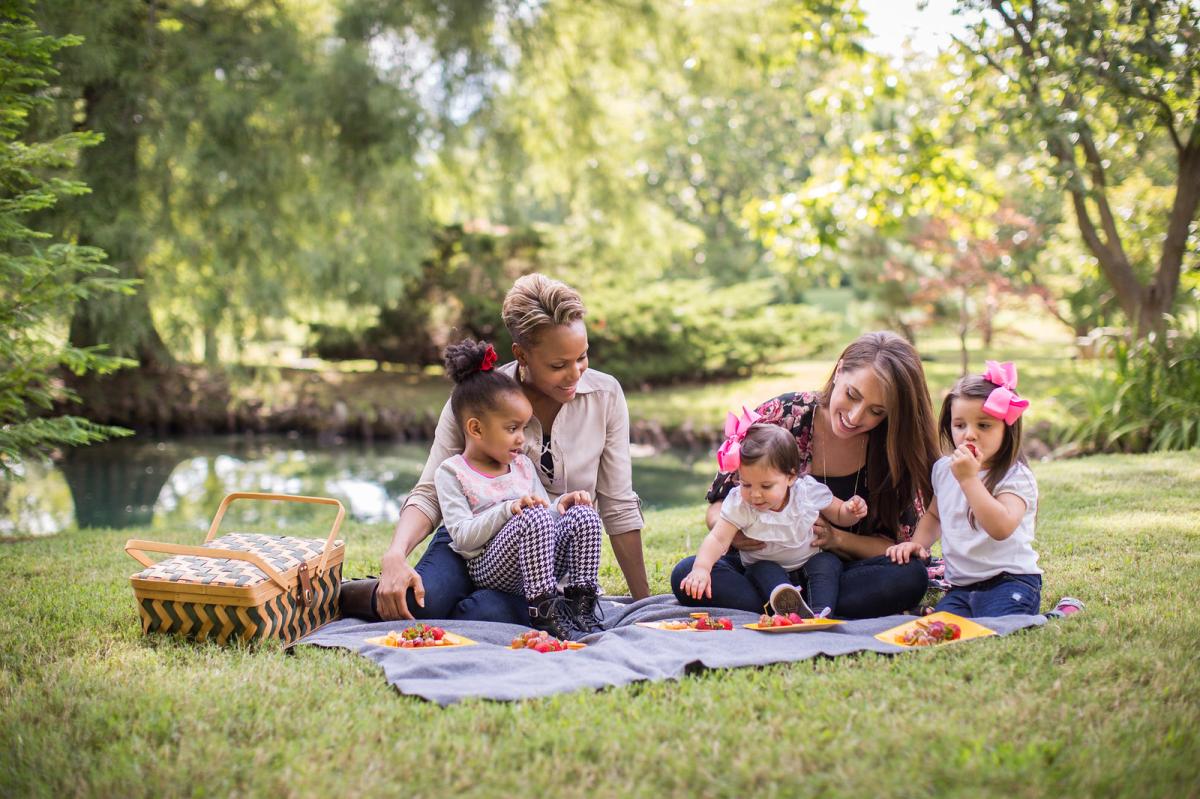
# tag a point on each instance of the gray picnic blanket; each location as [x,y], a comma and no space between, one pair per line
[623,653]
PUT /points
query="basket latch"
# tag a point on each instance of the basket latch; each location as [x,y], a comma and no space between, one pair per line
[304,587]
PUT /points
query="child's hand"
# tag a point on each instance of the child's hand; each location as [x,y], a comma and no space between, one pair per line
[698,584]
[528,501]
[900,553]
[856,507]
[964,463]
[574,498]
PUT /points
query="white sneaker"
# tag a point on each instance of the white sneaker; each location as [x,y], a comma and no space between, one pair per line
[786,598]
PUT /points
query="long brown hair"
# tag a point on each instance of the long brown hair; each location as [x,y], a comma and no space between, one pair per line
[900,456]
[979,387]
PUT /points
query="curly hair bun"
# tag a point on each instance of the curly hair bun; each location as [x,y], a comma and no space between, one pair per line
[465,359]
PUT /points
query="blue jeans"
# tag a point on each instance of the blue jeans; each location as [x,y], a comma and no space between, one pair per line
[1003,595]
[450,593]
[865,588]
[818,579]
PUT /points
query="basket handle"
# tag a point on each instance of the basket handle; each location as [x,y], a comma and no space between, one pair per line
[337,522]
[138,548]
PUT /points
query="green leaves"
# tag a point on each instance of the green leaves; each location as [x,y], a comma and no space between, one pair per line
[1150,401]
[40,280]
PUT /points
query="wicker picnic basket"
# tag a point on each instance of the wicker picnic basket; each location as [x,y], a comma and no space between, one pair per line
[242,586]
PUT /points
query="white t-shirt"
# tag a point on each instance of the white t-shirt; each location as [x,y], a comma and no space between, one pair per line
[971,554]
[787,533]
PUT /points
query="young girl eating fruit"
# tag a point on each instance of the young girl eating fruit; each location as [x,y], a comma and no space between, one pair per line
[773,504]
[985,501]
[498,514]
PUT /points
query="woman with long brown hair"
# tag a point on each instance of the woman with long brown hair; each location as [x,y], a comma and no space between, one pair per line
[869,432]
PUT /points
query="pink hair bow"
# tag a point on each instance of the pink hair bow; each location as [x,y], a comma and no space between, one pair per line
[729,456]
[1003,402]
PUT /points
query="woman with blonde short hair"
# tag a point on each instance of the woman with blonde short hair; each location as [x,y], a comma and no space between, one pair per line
[579,439]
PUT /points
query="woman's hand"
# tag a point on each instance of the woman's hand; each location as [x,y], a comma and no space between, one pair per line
[528,501]
[395,578]
[901,553]
[574,498]
[825,535]
[698,584]
[745,543]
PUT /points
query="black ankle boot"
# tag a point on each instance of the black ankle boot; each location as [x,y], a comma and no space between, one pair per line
[357,599]
[585,607]
[550,612]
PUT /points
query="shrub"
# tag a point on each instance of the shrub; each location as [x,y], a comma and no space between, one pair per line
[686,330]
[1149,403]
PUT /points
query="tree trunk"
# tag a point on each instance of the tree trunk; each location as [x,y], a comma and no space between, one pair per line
[964,324]
[1159,297]
[110,218]
[212,355]
[987,323]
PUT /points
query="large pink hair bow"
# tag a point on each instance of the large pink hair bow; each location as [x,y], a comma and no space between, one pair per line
[1003,402]
[729,456]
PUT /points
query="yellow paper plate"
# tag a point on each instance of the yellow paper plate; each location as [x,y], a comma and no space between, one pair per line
[660,625]
[808,626]
[969,630]
[454,639]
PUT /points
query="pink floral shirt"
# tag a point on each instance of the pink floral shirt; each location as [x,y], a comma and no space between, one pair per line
[795,412]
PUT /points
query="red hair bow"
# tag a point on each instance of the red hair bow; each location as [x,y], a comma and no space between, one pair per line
[489,359]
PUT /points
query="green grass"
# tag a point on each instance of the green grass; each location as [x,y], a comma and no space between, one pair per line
[1105,704]
[1044,355]
[1044,351]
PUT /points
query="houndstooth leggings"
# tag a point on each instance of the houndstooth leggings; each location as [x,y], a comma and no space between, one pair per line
[534,547]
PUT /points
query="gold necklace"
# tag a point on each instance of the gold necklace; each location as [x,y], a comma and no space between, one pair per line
[825,462]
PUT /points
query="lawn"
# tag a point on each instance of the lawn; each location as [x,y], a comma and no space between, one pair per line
[1043,350]
[1104,704]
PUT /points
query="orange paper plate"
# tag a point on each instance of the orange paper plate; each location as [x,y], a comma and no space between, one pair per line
[572,646]
[969,630]
[661,625]
[808,626]
[455,641]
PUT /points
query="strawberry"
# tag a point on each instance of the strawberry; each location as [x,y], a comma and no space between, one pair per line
[795,618]
[726,624]
[764,620]
[543,648]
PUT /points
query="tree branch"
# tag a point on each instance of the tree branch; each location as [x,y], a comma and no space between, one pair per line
[1131,87]
[1114,265]
[1183,211]
[1100,190]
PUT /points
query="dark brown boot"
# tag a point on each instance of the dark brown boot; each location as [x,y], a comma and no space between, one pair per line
[357,599]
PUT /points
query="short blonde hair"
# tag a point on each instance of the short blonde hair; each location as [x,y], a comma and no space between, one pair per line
[536,302]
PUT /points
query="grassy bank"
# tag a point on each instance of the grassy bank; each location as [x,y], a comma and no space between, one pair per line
[1105,704]
[355,397]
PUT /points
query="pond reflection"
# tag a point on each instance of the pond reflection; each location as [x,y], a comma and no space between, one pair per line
[178,483]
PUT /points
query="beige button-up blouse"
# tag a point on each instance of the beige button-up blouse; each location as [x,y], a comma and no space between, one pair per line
[589,443]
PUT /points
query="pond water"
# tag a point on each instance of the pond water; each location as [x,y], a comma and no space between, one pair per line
[178,483]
